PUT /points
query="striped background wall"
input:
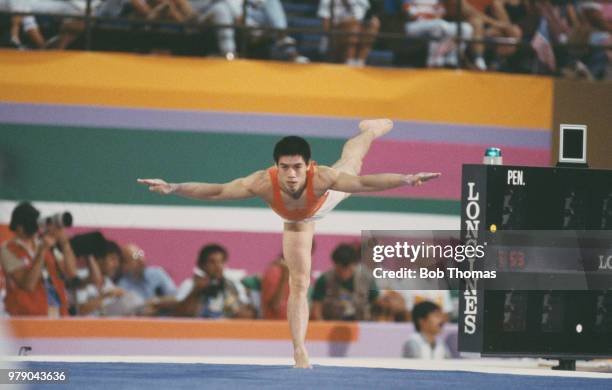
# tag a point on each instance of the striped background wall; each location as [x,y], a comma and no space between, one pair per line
[77,129]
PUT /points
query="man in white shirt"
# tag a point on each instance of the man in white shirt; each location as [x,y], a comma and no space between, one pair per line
[425,20]
[349,16]
[109,300]
[209,293]
[424,343]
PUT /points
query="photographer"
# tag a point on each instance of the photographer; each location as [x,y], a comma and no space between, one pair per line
[35,270]
[209,293]
[347,291]
[107,299]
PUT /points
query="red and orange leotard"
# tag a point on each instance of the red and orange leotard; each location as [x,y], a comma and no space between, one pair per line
[313,204]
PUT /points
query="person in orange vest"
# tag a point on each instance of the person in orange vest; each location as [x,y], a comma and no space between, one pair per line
[35,269]
[301,192]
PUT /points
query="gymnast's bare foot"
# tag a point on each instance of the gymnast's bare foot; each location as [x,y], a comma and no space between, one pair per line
[301,359]
[378,127]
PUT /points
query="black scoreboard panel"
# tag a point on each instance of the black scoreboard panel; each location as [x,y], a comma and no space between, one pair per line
[549,199]
[548,323]
[553,323]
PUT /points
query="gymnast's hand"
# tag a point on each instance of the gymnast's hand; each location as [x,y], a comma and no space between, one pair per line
[159,186]
[421,177]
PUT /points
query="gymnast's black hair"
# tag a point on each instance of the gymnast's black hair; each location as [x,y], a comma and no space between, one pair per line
[292,146]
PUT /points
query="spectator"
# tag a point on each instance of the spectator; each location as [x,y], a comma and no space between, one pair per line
[442,298]
[220,13]
[484,26]
[151,284]
[35,270]
[70,28]
[208,293]
[270,13]
[523,16]
[108,300]
[275,290]
[425,20]
[509,13]
[590,27]
[252,291]
[175,10]
[349,17]
[561,23]
[390,307]
[425,343]
[19,23]
[345,292]
[89,277]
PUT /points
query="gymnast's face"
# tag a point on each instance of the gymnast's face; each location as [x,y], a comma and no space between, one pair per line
[292,173]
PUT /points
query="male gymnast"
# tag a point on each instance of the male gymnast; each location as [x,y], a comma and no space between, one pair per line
[301,192]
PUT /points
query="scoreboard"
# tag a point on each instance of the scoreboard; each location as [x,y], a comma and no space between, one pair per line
[554,318]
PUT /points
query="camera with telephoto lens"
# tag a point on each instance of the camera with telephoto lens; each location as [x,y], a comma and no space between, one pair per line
[214,286]
[59,220]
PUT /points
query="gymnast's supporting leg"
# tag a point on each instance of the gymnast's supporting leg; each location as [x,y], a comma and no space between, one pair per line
[297,247]
[356,148]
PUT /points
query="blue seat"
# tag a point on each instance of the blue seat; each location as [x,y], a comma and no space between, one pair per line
[304,22]
[380,58]
[302,9]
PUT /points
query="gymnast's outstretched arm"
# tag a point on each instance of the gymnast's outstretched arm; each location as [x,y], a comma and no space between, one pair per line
[235,189]
[378,182]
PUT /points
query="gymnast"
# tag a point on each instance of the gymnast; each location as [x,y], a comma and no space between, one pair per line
[301,192]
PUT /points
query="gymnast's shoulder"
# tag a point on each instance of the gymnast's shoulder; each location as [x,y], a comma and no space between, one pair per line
[257,181]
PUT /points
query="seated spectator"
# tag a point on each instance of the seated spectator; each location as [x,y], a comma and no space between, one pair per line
[19,23]
[561,23]
[252,289]
[345,292]
[90,298]
[70,28]
[425,20]
[483,26]
[208,293]
[509,13]
[220,13]
[442,298]
[151,284]
[592,28]
[424,343]
[275,290]
[350,17]
[270,13]
[57,7]
[89,276]
[524,17]
[109,300]
[390,307]
[35,271]
[175,10]
[172,10]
